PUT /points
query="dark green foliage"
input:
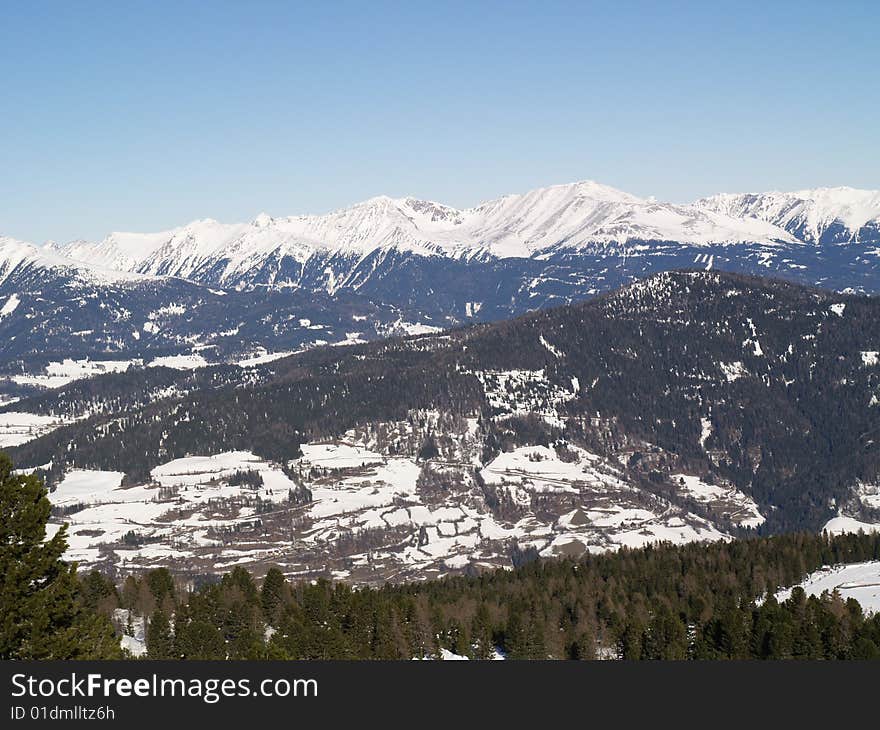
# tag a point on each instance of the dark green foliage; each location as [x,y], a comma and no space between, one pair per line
[44,611]
[199,640]
[160,643]
[245,477]
[663,602]
[98,592]
[161,586]
[272,594]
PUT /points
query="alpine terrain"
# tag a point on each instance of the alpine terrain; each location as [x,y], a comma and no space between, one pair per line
[209,292]
[686,406]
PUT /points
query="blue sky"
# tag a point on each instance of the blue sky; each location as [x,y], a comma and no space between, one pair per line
[146,115]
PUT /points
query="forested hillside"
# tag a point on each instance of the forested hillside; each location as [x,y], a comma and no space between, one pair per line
[662,602]
[696,601]
[760,384]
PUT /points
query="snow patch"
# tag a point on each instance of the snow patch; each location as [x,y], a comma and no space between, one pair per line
[860,581]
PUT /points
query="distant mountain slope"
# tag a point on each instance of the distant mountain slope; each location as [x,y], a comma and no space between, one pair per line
[223,292]
[23,264]
[62,313]
[769,388]
[820,216]
[584,216]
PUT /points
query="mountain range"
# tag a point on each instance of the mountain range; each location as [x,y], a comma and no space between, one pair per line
[227,292]
[582,217]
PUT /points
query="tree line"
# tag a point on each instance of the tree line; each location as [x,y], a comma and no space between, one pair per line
[694,601]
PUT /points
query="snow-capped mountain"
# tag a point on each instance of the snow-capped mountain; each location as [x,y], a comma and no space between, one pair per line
[580,217]
[823,215]
[397,265]
[21,262]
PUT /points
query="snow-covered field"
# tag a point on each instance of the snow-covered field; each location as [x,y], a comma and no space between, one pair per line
[841,524]
[741,508]
[262,357]
[58,374]
[860,581]
[86,486]
[18,428]
[179,362]
[348,510]
[168,519]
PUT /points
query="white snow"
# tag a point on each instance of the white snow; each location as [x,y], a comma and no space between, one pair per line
[556,352]
[541,467]
[739,507]
[733,370]
[335,455]
[18,255]
[136,643]
[581,215]
[447,655]
[188,507]
[85,486]
[192,471]
[18,428]
[810,211]
[417,328]
[705,431]
[843,524]
[860,581]
[59,374]
[263,358]
[179,362]
[524,391]
[10,305]
[172,514]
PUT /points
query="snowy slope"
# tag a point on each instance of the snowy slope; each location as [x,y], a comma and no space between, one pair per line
[860,581]
[578,216]
[823,215]
[585,215]
[21,260]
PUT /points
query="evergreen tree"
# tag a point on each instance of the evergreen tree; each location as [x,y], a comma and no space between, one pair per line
[199,640]
[160,643]
[41,613]
[272,594]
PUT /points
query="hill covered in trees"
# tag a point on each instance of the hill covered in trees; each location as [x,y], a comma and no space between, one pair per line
[768,387]
[661,602]
[696,601]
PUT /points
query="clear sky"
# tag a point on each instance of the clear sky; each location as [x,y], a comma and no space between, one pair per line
[146,115]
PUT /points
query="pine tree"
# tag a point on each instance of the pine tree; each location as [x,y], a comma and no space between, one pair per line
[40,616]
[481,633]
[199,640]
[160,642]
[130,592]
[272,594]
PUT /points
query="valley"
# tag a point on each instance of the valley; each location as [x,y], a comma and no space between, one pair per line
[691,406]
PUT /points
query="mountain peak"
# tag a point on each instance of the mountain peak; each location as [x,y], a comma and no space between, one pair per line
[263,220]
[818,215]
[582,217]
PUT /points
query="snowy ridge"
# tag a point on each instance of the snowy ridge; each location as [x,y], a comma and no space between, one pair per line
[860,581]
[823,215]
[574,217]
[18,257]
